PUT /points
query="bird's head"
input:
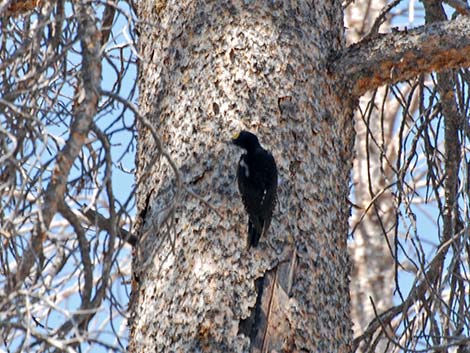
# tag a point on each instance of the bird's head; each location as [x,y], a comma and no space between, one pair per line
[246,140]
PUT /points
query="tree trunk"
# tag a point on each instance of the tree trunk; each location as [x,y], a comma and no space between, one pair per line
[373,269]
[208,70]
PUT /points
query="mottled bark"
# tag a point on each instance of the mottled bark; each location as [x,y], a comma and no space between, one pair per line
[210,69]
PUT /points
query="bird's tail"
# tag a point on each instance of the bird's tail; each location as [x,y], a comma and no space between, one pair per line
[254,235]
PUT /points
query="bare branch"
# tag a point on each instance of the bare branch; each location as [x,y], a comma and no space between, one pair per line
[86,105]
[59,149]
[396,57]
[104,223]
[460,6]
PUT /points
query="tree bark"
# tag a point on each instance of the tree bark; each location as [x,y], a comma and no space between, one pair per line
[211,69]
[282,71]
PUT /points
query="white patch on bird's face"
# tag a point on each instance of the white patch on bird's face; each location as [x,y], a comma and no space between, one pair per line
[245,168]
[264,195]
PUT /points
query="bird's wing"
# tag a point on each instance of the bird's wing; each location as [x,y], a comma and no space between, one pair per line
[251,191]
[268,201]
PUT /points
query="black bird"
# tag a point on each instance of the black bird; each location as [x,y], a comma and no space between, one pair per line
[257,182]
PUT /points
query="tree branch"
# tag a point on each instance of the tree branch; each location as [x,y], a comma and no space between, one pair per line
[103,223]
[85,108]
[402,55]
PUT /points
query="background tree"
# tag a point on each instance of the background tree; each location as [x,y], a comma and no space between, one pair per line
[283,71]
[372,275]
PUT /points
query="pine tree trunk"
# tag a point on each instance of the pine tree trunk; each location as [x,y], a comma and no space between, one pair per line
[208,70]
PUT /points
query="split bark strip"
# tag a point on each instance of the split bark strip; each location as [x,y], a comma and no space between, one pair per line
[85,107]
[269,318]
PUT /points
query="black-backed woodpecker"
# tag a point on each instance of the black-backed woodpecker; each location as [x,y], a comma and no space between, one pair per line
[257,182]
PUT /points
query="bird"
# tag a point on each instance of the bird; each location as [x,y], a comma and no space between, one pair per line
[257,183]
